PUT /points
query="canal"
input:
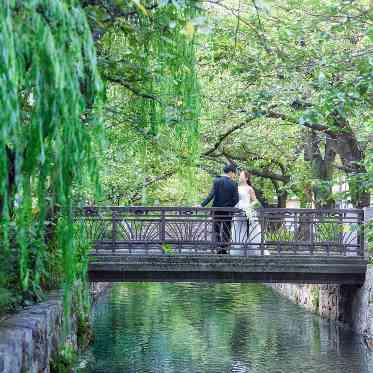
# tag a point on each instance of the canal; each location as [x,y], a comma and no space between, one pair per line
[213,328]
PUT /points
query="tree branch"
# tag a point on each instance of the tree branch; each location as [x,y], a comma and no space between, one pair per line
[137,195]
[260,173]
[268,114]
[132,89]
[222,137]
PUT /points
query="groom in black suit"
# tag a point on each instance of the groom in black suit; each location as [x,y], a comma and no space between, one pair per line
[224,193]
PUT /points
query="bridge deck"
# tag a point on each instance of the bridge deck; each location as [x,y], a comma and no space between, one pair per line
[226,268]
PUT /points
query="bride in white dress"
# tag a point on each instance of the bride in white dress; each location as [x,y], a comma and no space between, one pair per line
[246,228]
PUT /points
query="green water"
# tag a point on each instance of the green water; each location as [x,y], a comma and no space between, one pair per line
[212,328]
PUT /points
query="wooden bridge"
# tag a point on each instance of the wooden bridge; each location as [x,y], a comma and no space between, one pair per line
[215,244]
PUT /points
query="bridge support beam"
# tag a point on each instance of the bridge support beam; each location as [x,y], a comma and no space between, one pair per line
[225,268]
[272,277]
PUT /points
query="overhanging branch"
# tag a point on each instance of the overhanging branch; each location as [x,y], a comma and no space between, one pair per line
[132,89]
[265,173]
[137,195]
[227,134]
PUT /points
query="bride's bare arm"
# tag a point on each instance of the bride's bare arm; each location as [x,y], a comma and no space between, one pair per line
[252,194]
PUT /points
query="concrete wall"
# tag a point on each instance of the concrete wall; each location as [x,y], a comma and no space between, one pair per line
[30,338]
[347,304]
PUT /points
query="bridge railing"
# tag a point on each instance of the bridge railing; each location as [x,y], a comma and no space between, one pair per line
[186,230]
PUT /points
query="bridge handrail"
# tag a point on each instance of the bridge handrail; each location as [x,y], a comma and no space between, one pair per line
[282,230]
[212,209]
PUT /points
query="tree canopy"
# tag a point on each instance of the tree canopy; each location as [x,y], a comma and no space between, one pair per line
[143,101]
[282,89]
[295,77]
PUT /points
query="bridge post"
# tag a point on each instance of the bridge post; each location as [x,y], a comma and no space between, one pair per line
[368,216]
[113,231]
[162,231]
[263,229]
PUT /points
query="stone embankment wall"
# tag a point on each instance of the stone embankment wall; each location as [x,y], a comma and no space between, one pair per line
[31,338]
[351,305]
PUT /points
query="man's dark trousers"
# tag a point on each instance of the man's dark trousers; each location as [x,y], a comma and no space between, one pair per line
[224,193]
[222,229]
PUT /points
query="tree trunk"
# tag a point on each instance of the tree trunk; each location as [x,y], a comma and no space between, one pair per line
[261,197]
[352,157]
[322,168]
[282,195]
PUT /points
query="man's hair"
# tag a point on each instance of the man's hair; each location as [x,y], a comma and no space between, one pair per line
[229,168]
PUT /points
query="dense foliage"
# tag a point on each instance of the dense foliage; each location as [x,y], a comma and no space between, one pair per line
[283,88]
[147,57]
[49,95]
[51,130]
[292,102]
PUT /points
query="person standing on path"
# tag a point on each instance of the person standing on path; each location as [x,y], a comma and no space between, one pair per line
[224,193]
[246,230]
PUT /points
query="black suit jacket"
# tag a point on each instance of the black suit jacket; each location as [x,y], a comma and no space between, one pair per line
[224,193]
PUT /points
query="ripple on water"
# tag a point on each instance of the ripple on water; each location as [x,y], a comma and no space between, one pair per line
[213,328]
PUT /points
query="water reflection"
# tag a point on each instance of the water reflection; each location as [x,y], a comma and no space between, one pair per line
[241,328]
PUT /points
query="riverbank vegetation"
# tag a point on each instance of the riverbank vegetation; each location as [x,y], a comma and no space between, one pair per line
[142,102]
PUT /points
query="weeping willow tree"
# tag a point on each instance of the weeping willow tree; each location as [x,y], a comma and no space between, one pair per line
[152,111]
[50,101]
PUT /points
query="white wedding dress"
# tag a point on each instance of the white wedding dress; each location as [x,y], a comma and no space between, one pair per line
[246,232]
